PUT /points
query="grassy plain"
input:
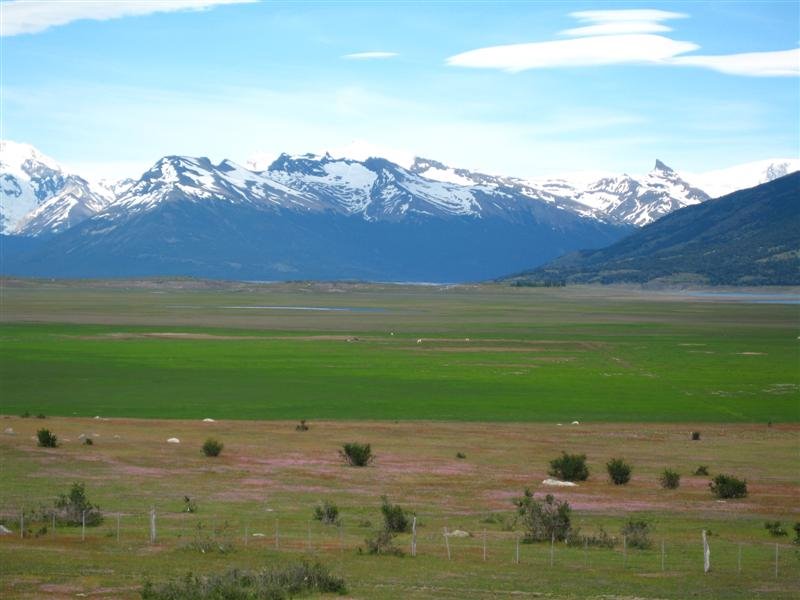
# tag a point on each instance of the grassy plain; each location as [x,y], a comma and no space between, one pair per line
[421,372]
[470,353]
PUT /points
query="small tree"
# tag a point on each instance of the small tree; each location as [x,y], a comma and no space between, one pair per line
[701,470]
[670,480]
[212,447]
[46,439]
[382,544]
[619,471]
[728,486]
[544,520]
[695,436]
[569,467]
[74,506]
[395,519]
[775,528]
[637,534]
[327,513]
[357,455]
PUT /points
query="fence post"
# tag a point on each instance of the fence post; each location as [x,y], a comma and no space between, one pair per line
[517,554]
[662,555]
[54,523]
[277,534]
[341,537]
[706,553]
[246,534]
[776,560]
[83,525]
[22,523]
[484,545]
[552,548]
[586,550]
[308,536]
[414,536]
[118,519]
[447,543]
[739,564]
[624,551]
[153,525]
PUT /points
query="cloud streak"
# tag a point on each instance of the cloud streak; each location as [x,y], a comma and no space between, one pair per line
[369,55]
[34,16]
[625,37]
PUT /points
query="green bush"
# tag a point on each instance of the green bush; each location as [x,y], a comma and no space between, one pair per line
[189,505]
[212,447]
[796,528]
[599,540]
[301,426]
[395,519]
[217,539]
[88,442]
[701,470]
[381,544]
[272,583]
[670,480]
[728,486]
[40,416]
[775,529]
[327,513]
[543,520]
[46,439]
[460,455]
[695,436]
[71,507]
[569,467]
[618,471]
[26,415]
[637,534]
[357,455]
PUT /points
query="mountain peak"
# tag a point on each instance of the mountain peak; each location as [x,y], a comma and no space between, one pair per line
[660,166]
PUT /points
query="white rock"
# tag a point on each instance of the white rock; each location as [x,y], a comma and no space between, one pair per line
[173,441]
[81,436]
[576,422]
[457,533]
[259,535]
[559,483]
[206,420]
[9,430]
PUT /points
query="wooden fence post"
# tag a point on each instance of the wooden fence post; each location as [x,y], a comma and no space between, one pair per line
[706,553]
[447,543]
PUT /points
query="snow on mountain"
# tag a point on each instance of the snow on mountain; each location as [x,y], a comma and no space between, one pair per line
[38,196]
[725,181]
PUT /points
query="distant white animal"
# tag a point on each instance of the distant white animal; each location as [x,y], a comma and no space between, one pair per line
[173,441]
[559,483]
[576,422]
[419,341]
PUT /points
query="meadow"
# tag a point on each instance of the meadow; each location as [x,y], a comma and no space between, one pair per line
[423,373]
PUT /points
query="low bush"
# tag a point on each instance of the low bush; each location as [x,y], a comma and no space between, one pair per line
[695,436]
[26,415]
[212,447]
[301,426]
[40,416]
[381,544]
[395,519]
[357,455]
[775,529]
[272,583]
[505,522]
[46,439]
[543,520]
[728,486]
[796,528]
[637,534]
[88,442]
[569,467]
[327,513]
[189,505]
[701,470]
[460,455]
[670,480]
[217,539]
[599,540]
[618,471]
[74,505]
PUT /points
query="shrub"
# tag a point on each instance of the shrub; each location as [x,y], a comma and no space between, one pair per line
[88,442]
[619,471]
[189,505]
[382,544]
[357,455]
[217,539]
[796,528]
[272,583]
[25,415]
[460,455]
[670,480]
[40,416]
[775,529]
[301,426]
[544,520]
[327,513]
[72,506]
[505,522]
[637,534]
[701,470]
[600,540]
[695,436]
[212,447]
[728,486]
[395,519]
[569,467]
[46,439]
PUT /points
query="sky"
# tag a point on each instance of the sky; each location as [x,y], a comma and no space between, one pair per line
[518,88]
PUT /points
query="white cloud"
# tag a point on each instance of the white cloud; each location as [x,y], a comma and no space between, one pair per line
[33,16]
[579,52]
[369,55]
[618,37]
[783,63]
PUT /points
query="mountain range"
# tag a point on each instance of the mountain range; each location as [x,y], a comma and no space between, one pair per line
[749,237]
[319,217]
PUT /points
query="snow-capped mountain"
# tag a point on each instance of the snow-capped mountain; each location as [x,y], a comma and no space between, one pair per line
[38,196]
[725,181]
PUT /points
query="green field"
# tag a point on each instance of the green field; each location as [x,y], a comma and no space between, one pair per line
[188,350]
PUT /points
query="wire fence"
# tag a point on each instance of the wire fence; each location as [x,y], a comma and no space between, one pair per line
[432,537]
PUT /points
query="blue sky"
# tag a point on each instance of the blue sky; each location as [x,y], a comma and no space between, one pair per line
[522,88]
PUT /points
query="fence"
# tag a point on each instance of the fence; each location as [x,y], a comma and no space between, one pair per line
[432,536]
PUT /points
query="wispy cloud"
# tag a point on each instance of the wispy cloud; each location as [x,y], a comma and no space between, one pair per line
[619,37]
[33,16]
[369,55]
